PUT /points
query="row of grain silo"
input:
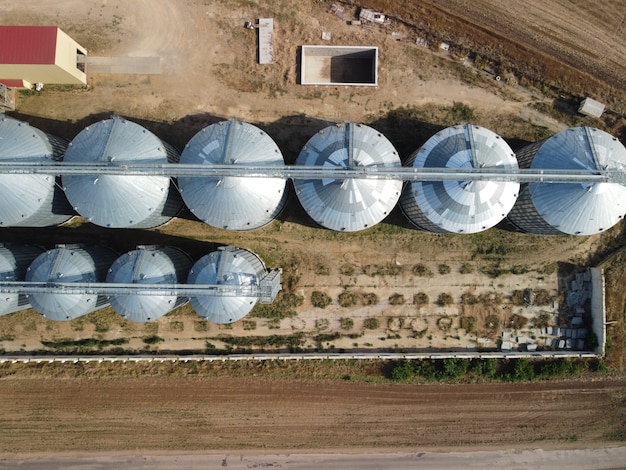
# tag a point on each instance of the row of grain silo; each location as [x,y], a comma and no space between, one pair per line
[166,266]
[340,204]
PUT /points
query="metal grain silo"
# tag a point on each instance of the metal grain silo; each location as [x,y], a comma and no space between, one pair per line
[66,264]
[228,266]
[348,204]
[121,201]
[148,265]
[30,200]
[233,202]
[14,261]
[571,208]
[460,206]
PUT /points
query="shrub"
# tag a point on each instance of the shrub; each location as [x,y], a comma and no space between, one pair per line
[542,321]
[200,326]
[517,298]
[153,340]
[542,297]
[327,337]
[395,324]
[420,299]
[490,299]
[468,324]
[369,298]
[426,368]
[322,324]
[320,299]
[371,323]
[444,323]
[466,268]
[454,368]
[322,270]
[485,367]
[421,270]
[402,371]
[396,299]
[346,269]
[444,299]
[444,269]
[347,299]
[492,322]
[517,322]
[493,270]
[176,326]
[467,298]
[462,112]
[346,323]
[249,325]
[523,370]
[388,269]
[519,269]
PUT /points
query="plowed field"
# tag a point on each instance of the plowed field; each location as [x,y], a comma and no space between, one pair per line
[47,415]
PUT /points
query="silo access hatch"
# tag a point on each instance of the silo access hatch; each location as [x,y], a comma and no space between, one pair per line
[339,65]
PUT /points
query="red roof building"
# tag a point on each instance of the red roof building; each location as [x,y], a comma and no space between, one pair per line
[40,54]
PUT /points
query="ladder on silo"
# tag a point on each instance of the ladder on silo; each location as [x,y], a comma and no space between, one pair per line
[7,98]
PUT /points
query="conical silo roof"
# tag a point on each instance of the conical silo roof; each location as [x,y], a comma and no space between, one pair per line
[148,265]
[573,208]
[348,204]
[228,266]
[235,203]
[460,206]
[69,263]
[121,201]
[30,200]
[14,261]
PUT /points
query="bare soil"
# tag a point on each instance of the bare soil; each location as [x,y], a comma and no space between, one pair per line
[209,73]
[201,413]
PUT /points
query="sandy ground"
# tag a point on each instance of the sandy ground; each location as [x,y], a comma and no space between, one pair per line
[209,73]
[206,76]
[535,459]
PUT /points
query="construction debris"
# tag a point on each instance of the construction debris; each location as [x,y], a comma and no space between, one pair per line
[339,11]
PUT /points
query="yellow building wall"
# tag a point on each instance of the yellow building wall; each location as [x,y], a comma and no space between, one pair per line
[66,54]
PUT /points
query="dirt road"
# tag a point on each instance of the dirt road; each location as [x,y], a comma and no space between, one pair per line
[537,459]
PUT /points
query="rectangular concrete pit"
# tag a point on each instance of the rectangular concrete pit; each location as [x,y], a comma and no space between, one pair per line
[339,65]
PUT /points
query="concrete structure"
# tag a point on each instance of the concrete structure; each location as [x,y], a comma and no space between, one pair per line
[598,308]
[348,204]
[14,261]
[339,65]
[227,266]
[67,264]
[231,202]
[577,208]
[266,40]
[116,201]
[40,54]
[30,200]
[591,107]
[371,16]
[460,206]
[148,265]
